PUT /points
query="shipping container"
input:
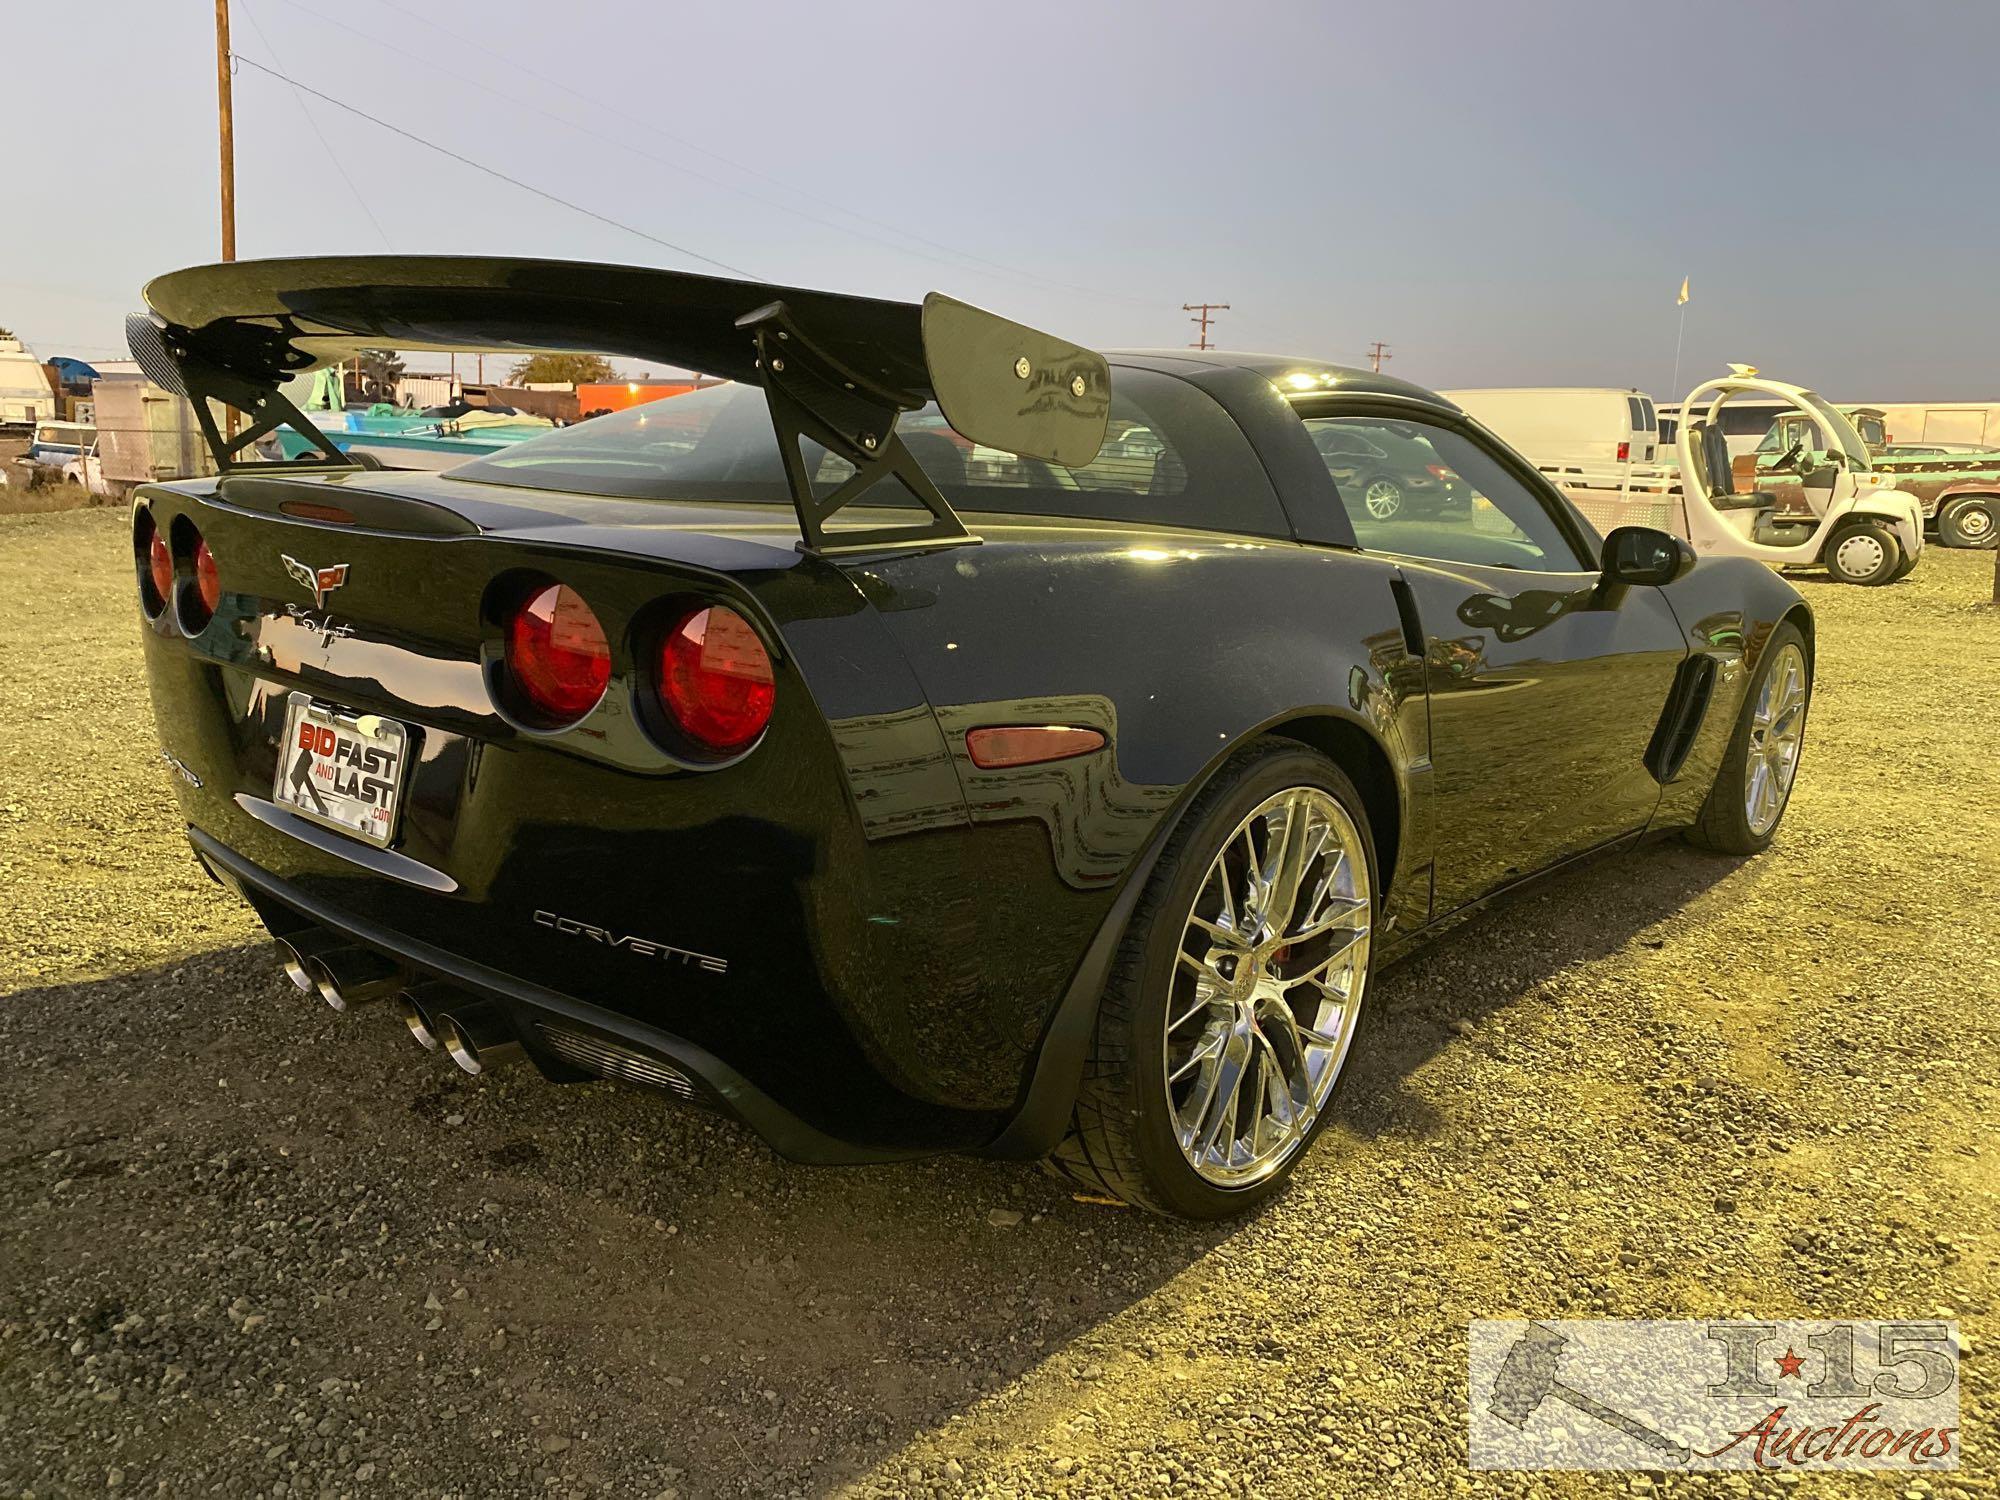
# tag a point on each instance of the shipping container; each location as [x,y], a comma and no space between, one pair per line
[145,433]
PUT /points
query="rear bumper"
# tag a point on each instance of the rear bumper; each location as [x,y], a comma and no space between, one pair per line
[567,1037]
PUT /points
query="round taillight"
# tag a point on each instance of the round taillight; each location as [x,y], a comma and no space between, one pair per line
[715,678]
[557,654]
[207,580]
[160,565]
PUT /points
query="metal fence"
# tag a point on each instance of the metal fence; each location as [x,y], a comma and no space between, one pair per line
[1627,495]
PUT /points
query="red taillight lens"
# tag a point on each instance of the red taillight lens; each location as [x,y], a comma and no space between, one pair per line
[557,654]
[1438,471]
[160,565]
[207,580]
[715,679]
[1624,452]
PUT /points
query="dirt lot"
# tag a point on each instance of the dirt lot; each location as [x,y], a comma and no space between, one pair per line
[249,1247]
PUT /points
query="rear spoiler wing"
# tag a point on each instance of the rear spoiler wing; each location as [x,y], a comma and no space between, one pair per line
[836,369]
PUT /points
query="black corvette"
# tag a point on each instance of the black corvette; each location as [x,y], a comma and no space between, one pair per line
[938,738]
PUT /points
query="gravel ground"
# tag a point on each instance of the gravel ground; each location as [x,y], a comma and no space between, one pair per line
[249,1247]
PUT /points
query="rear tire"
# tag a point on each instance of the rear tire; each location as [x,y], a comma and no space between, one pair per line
[1863,552]
[1725,823]
[1143,1113]
[1973,521]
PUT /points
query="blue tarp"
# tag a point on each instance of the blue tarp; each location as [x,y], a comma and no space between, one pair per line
[73,372]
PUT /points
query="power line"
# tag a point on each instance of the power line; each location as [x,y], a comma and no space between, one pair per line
[477,166]
[1201,311]
[946,253]
[250,15]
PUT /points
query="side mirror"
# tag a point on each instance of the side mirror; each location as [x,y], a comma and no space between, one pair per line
[1641,555]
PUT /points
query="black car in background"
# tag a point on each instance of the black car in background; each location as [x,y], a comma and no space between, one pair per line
[871,750]
[1390,470]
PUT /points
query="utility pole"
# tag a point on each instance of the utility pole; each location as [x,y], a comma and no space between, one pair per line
[226,111]
[1377,352]
[1201,318]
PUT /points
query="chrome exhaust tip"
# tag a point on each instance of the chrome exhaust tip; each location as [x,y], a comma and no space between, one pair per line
[349,977]
[477,1035]
[418,1003]
[297,949]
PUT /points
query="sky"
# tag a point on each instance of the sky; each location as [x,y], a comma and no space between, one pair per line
[1504,193]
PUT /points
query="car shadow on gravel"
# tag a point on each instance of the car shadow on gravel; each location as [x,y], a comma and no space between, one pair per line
[1503,956]
[628,1294]
[501,1282]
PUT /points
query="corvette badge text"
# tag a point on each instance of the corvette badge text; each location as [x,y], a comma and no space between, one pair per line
[637,946]
[1774,1397]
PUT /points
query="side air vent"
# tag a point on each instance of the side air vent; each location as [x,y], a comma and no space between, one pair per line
[608,1059]
[1680,721]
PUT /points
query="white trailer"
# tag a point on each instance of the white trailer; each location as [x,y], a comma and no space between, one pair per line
[26,397]
[1959,423]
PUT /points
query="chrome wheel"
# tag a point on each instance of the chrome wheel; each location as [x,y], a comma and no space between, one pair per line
[1267,987]
[1777,730]
[1383,497]
[1860,554]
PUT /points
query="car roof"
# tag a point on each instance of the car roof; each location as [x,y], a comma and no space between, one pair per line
[1317,375]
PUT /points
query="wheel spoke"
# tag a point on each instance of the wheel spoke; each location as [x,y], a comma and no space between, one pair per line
[1353,907]
[1202,969]
[1259,1094]
[1201,1003]
[1318,1038]
[1216,932]
[1342,946]
[1219,873]
[1297,859]
[1221,1103]
[1275,1093]
[1209,1047]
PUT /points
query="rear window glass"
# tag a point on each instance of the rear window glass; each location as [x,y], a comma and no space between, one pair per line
[1636,413]
[1171,456]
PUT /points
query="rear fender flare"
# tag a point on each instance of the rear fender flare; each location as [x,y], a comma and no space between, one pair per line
[1037,1124]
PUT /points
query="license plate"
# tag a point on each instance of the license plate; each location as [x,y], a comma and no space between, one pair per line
[341,768]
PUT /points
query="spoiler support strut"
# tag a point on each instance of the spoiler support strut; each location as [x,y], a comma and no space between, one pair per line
[169,364]
[812,394]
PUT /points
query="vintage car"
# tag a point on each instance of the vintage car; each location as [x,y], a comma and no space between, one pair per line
[781,759]
[1957,485]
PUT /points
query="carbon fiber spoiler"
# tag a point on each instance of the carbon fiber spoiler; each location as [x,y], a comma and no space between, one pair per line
[836,369]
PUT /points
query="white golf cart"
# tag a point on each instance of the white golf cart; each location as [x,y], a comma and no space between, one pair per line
[1861,530]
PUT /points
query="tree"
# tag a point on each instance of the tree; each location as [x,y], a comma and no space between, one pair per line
[380,370]
[6,333]
[563,369]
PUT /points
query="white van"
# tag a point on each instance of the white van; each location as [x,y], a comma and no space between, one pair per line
[1960,423]
[26,396]
[1744,423]
[1582,435]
